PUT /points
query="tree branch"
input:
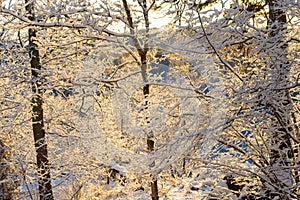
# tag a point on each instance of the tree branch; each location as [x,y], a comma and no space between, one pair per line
[64,24]
[215,50]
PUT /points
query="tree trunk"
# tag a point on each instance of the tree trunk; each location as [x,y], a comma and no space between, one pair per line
[144,68]
[44,177]
[150,141]
[281,154]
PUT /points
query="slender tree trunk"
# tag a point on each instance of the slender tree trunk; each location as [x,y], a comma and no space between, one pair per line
[44,177]
[144,68]
[150,141]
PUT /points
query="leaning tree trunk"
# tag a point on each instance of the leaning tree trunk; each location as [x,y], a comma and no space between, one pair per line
[281,129]
[44,177]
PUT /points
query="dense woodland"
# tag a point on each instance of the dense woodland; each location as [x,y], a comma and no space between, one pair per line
[150,99]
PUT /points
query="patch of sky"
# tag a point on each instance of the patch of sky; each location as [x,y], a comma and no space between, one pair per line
[161,69]
[295,96]
[204,88]
[63,92]
[225,149]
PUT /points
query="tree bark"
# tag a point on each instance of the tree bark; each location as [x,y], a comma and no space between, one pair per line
[281,154]
[44,176]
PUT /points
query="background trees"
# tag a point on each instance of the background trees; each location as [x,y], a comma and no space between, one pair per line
[31,77]
[124,100]
[254,42]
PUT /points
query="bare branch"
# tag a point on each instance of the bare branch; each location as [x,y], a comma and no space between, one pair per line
[215,50]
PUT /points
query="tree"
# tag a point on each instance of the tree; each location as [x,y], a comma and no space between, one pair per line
[42,159]
[284,136]
[124,99]
[254,43]
[142,52]
[31,71]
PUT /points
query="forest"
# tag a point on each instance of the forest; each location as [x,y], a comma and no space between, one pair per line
[150,99]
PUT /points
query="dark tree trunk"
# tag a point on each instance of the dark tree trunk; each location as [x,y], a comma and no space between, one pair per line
[44,177]
[150,141]
[281,138]
[144,67]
